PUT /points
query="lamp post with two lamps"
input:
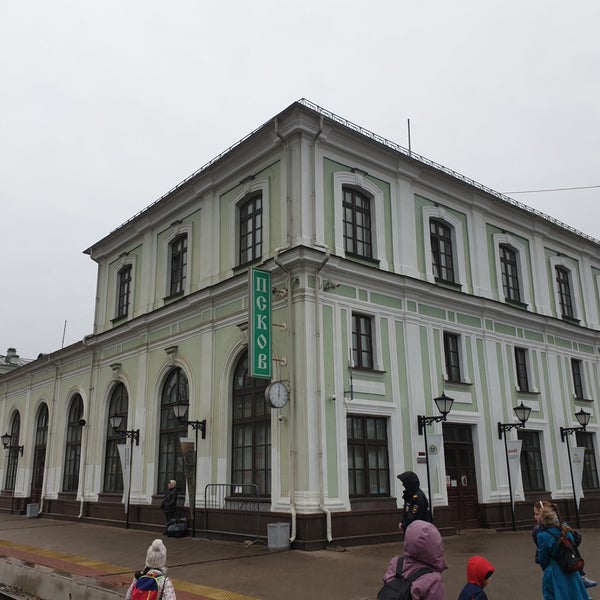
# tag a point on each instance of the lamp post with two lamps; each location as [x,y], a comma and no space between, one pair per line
[444,404]
[12,448]
[583,418]
[134,435]
[522,413]
[180,411]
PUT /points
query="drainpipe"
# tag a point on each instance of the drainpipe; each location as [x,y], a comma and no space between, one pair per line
[292,378]
[291,340]
[320,430]
[320,426]
[84,435]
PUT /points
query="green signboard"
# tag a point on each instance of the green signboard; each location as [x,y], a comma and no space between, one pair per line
[261,358]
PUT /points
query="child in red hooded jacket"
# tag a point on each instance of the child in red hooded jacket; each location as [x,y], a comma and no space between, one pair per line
[479,571]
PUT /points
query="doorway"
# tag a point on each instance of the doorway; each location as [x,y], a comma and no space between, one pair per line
[461,480]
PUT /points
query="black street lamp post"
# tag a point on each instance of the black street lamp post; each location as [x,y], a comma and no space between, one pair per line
[134,435]
[583,418]
[522,413]
[180,411]
[6,442]
[444,404]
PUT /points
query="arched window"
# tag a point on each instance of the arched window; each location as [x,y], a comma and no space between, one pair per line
[251,228]
[170,459]
[13,454]
[251,435]
[565,295]
[442,254]
[118,405]
[73,447]
[509,268]
[357,223]
[39,450]
[178,265]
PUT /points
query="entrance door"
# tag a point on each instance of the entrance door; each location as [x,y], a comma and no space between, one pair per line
[460,476]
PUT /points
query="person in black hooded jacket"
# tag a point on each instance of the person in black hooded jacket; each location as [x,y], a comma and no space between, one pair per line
[416,505]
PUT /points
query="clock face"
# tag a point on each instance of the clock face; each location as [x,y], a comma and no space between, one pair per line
[277,394]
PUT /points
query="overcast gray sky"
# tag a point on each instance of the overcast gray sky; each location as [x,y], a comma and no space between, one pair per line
[105,106]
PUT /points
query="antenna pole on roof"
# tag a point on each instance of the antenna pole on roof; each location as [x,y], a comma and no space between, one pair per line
[63,339]
[409,148]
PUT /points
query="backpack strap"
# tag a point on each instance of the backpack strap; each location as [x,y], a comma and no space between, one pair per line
[415,575]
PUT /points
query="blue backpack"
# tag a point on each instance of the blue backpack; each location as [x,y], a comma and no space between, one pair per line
[146,586]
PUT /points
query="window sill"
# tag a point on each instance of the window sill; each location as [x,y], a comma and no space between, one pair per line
[516,303]
[364,259]
[118,320]
[530,393]
[448,284]
[173,296]
[572,320]
[458,383]
[368,370]
[581,399]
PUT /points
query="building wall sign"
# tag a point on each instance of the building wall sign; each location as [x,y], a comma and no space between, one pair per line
[261,358]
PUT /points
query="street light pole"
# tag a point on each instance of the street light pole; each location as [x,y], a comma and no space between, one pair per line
[180,411]
[522,413]
[444,404]
[133,435]
[6,439]
[583,418]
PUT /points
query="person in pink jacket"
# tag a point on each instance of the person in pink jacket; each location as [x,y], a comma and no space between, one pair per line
[423,547]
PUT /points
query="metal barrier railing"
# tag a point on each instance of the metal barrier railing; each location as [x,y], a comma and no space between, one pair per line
[233,509]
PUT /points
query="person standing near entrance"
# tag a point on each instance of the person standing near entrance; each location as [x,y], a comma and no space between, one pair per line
[416,505]
[169,501]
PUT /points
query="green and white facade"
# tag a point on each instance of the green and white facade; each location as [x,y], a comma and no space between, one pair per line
[393,280]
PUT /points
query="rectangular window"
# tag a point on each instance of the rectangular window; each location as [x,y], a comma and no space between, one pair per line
[357,223]
[362,341]
[368,464]
[441,251]
[250,225]
[565,297]
[510,273]
[124,291]
[590,472]
[452,356]
[531,461]
[522,370]
[577,370]
[178,248]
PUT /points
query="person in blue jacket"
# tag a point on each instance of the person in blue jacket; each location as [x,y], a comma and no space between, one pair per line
[557,584]
[479,571]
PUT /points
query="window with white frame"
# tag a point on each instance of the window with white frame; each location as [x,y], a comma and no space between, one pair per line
[510,273]
[522,370]
[178,264]
[512,269]
[532,466]
[357,224]
[359,217]
[444,246]
[123,291]
[368,459]
[565,296]
[362,341]
[452,357]
[250,219]
[578,380]
[566,288]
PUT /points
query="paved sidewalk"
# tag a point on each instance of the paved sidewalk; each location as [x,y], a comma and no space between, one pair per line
[98,563]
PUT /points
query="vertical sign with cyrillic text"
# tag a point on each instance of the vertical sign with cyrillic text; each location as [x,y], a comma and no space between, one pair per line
[261,359]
